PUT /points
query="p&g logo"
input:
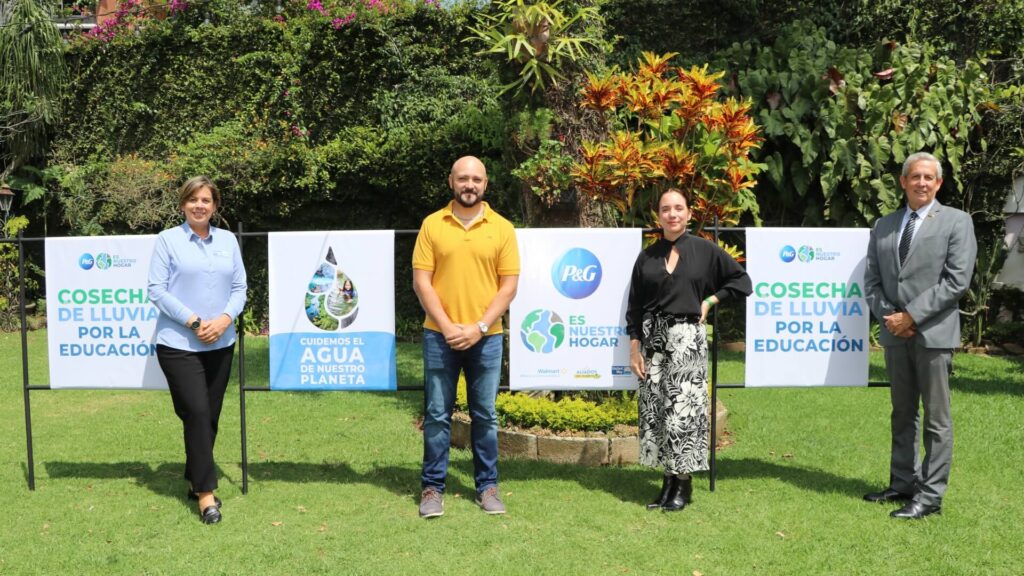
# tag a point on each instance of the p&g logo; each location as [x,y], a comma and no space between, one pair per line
[86,261]
[787,254]
[577,274]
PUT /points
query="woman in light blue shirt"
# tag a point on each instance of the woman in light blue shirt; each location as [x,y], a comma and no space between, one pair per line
[197,282]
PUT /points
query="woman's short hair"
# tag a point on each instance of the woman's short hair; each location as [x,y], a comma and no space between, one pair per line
[196,183]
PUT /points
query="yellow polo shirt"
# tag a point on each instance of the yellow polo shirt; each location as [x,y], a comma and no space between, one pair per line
[466,263]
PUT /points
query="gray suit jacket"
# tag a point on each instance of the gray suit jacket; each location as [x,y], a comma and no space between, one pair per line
[930,283]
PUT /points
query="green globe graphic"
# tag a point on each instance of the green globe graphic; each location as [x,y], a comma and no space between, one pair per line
[805,254]
[542,331]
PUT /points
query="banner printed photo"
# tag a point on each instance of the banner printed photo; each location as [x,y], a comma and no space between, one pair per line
[332,311]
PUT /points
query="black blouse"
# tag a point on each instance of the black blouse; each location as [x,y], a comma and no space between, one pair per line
[703,269]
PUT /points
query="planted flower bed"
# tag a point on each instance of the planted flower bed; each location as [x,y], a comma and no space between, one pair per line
[569,430]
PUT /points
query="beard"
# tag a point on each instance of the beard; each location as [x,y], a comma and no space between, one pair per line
[467,203]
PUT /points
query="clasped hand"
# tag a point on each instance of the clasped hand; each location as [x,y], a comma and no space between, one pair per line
[211,330]
[900,324]
[462,336]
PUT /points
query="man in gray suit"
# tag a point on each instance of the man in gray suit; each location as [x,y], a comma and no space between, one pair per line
[919,264]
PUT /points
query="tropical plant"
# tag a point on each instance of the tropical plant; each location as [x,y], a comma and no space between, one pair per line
[838,122]
[668,127]
[991,256]
[548,171]
[537,37]
[32,83]
[9,276]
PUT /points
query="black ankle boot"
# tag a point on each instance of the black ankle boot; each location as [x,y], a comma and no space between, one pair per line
[666,486]
[677,499]
[686,487]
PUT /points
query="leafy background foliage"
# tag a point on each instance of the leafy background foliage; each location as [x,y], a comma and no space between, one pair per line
[308,122]
[301,125]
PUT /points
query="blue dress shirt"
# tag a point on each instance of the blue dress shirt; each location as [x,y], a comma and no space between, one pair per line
[191,275]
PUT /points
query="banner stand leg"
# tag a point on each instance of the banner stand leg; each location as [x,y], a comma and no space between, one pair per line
[713,464]
[714,405]
[241,381]
[30,460]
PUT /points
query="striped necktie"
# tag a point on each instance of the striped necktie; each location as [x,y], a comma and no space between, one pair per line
[908,235]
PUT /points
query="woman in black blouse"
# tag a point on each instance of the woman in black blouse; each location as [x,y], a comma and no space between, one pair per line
[675,282]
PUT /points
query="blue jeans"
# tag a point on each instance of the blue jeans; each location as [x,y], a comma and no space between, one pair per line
[441,367]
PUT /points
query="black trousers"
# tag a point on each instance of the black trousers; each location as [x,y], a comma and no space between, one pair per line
[197,381]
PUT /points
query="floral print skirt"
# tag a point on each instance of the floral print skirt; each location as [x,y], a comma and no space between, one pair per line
[673,397]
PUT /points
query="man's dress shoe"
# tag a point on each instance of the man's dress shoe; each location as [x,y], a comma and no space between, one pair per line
[887,495]
[916,511]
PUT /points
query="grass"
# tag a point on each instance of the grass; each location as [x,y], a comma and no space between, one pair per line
[334,480]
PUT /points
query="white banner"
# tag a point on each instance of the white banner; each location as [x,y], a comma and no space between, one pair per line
[100,323]
[568,320]
[807,321]
[332,310]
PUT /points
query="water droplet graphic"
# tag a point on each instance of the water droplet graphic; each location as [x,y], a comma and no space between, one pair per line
[332,301]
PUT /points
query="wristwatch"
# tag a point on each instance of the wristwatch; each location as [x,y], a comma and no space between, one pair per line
[483,328]
[195,325]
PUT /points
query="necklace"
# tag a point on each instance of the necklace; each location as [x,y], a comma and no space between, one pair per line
[467,221]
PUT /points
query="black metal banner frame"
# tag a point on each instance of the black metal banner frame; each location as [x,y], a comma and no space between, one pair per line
[243,387]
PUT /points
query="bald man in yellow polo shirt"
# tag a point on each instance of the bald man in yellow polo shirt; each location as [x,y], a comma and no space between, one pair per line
[465,271]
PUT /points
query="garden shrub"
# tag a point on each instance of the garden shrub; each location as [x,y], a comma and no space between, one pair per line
[566,414]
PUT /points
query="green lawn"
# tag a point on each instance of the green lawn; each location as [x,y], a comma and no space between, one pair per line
[334,479]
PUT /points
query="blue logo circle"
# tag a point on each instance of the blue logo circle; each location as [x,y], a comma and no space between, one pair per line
[805,254]
[787,254]
[86,261]
[577,274]
[103,261]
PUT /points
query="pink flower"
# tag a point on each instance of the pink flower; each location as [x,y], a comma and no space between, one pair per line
[317,6]
[339,23]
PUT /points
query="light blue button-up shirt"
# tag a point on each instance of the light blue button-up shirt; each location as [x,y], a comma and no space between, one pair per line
[191,275]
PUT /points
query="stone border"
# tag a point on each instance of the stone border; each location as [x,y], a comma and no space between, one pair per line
[600,451]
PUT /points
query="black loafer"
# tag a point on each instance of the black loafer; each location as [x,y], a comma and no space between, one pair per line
[887,495]
[210,515]
[192,496]
[916,511]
